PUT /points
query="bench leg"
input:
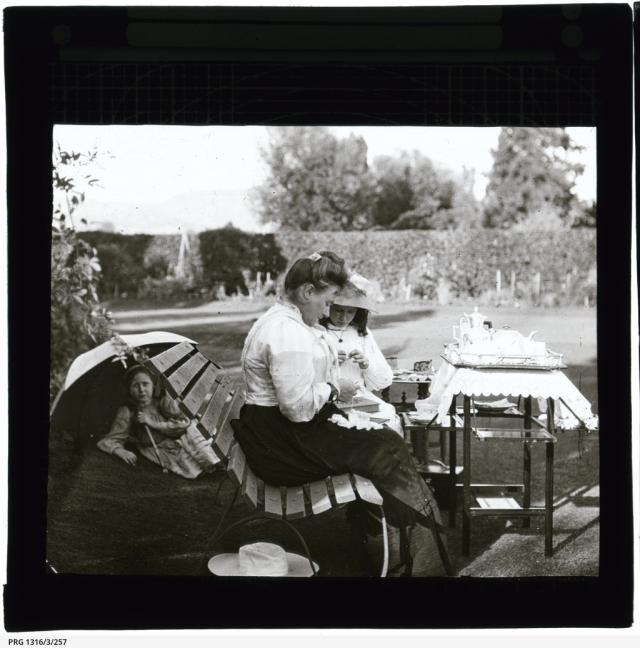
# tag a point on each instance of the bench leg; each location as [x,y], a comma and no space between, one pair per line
[226,510]
[385,545]
[215,534]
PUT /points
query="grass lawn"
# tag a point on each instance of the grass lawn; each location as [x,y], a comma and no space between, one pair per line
[105,517]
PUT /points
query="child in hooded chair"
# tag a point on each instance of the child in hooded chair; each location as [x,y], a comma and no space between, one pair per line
[151,421]
[360,358]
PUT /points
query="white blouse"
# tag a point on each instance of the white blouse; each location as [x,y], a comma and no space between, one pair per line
[288,363]
[378,374]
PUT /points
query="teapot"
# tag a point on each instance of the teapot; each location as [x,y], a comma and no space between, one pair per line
[507,336]
[534,347]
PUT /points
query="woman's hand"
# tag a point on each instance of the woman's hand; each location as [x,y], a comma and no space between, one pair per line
[347,390]
[358,357]
[145,419]
[342,356]
[126,456]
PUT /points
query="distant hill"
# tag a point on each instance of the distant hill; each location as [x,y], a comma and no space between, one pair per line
[194,212]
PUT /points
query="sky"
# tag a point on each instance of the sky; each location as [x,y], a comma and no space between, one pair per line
[168,178]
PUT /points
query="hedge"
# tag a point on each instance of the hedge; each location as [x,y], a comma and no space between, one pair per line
[228,252]
[465,261]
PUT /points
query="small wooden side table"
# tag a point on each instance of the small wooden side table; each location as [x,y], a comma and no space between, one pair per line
[499,500]
[419,437]
[423,392]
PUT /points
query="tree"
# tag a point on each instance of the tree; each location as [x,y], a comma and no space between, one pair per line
[229,253]
[394,189]
[316,181]
[78,322]
[530,174]
[122,259]
[413,194]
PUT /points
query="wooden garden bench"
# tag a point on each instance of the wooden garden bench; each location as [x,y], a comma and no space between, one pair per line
[212,400]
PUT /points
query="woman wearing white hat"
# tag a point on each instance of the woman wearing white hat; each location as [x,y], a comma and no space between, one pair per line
[289,427]
[359,356]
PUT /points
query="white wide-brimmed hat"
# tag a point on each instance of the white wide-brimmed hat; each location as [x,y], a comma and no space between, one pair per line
[261,559]
[355,293]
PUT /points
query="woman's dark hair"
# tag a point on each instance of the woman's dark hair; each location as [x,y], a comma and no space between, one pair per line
[360,321]
[322,269]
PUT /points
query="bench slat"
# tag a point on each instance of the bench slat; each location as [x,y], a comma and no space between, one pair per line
[295,502]
[205,384]
[222,442]
[272,501]
[237,464]
[180,378]
[367,491]
[342,489]
[250,487]
[319,496]
[213,412]
[168,358]
[236,404]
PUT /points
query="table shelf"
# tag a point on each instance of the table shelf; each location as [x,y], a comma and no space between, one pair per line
[497,500]
[496,489]
[496,510]
[411,423]
[511,413]
[524,436]
[424,470]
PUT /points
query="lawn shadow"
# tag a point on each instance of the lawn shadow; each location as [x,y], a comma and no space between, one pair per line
[576,511]
[585,378]
[106,517]
[380,321]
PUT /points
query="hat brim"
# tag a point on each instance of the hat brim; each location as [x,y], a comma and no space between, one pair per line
[228,564]
[355,302]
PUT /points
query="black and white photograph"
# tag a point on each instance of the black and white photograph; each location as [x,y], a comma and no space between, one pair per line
[385,336]
[320,317]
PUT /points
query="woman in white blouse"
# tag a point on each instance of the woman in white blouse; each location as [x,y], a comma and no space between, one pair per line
[359,356]
[291,430]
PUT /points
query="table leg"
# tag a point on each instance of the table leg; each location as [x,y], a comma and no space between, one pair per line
[526,478]
[423,390]
[443,446]
[419,442]
[414,442]
[548,486]
[466,453]
[453,491]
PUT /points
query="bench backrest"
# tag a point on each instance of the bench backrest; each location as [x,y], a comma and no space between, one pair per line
[212,399]
[203,391]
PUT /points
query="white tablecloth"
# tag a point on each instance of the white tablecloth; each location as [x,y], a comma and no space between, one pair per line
[539,384]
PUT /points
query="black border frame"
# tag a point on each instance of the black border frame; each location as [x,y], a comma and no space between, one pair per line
[36,600]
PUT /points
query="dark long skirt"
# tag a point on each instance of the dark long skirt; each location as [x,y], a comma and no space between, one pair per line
[284,453]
